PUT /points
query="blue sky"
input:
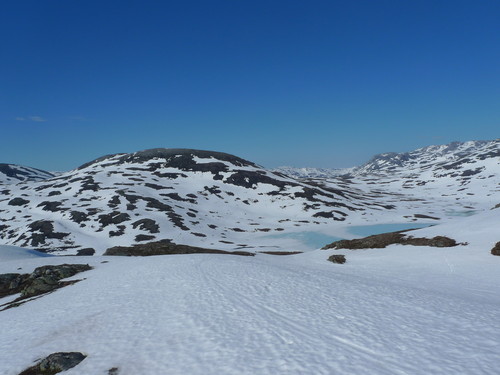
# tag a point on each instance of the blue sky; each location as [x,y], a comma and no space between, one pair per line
[301,83]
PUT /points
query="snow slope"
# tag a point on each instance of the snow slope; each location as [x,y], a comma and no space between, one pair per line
[410,310]
[309,172]
[11,173]
[211,199]
[195,197]
[399,310]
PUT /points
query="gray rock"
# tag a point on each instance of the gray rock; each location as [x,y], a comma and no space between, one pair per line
[88,251]
[46,278]
[496,249]
[166,247]
[11,283]
[379,241]
[337,258]
[55,363]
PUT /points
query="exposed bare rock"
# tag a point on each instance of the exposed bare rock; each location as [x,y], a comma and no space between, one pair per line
[337,258]
[379,241]
[88,251]
[496,249]
[55,363]
[166,247]
[18,202]
[42,280]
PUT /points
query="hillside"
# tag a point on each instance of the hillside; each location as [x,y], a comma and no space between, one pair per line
[189,196]
[217,200]
[11,174]
[420,308]
[402,309]
[448,180]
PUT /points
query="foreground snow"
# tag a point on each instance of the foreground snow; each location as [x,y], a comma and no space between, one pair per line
[400,310]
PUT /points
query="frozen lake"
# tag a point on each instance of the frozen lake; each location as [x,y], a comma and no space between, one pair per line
[315,240]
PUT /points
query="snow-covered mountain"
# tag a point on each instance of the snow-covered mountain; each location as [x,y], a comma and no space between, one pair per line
[189,196]
[312,172]
[454,179]
[216,200]
[12,173]
[396,310]
[399,310]
[457,159]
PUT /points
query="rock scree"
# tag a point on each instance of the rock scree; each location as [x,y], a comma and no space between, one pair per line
[379,241]
[55,363]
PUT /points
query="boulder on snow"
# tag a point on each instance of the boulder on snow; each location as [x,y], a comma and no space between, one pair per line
[337,258]
[496,249]
[88,251]
[379,241]
[55,363]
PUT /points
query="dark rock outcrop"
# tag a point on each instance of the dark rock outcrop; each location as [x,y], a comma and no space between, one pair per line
[46,231]
[166,247]
[55,363]
[380,241]
[337,258]
[42,280]
[11,283]
[46,278]
[18,202]
[147,224]
[88,251]
[496,249]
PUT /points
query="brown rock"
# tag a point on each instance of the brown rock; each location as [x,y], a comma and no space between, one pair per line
[379,241]
[496,249]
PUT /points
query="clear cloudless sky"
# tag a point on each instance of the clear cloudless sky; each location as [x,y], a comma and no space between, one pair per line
[300,83]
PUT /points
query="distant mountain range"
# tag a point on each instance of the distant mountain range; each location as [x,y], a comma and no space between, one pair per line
[442,158]
[213,199]
[11,173]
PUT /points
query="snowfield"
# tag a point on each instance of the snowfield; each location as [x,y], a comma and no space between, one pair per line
[399,310]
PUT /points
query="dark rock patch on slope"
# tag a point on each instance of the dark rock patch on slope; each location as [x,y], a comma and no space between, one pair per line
[42,280]
[379,241]
[45,229]
[166,247]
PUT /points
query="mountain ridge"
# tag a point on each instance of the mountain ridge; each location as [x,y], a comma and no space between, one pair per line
[218,200]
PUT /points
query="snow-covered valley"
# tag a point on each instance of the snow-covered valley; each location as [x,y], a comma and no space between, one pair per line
[401,309]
